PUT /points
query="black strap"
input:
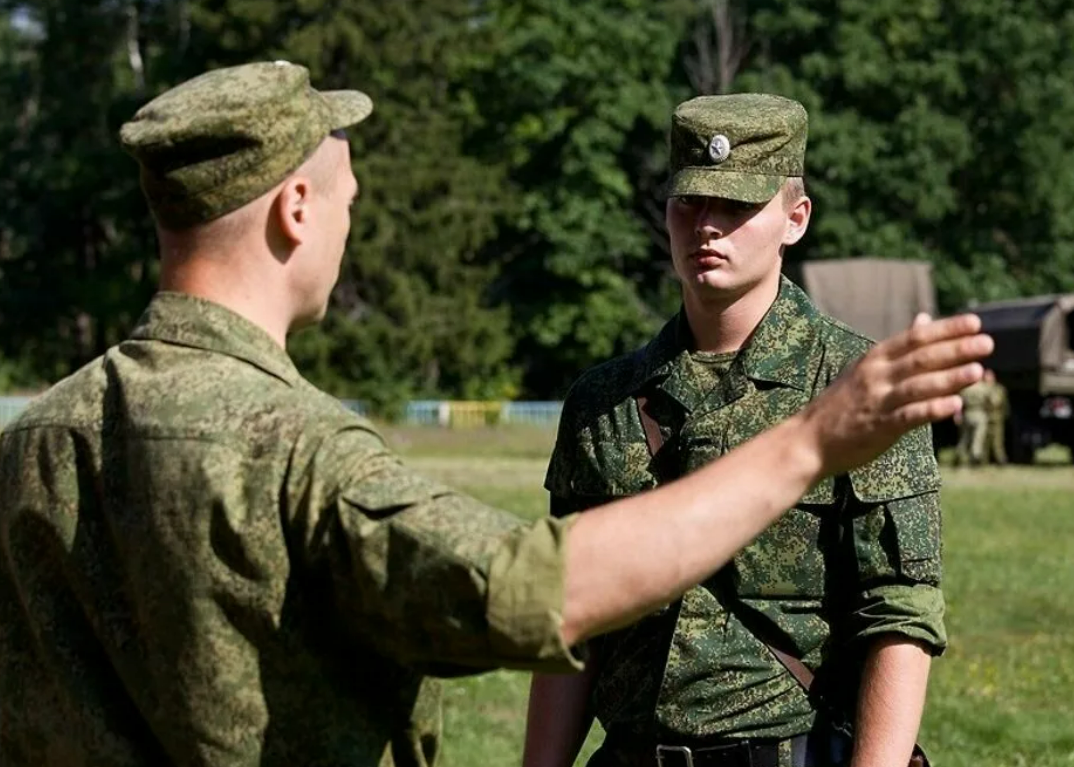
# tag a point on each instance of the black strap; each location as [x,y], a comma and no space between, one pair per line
[655,439]
[801,673]
[653,436]
[797,669]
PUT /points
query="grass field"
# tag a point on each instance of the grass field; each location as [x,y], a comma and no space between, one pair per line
[1002,695]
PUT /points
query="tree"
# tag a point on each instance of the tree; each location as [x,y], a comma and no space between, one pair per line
[77,265]
[936,133]
[575,99]
[410,316]
[716,46]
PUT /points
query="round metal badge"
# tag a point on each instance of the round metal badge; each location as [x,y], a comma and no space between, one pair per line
[719,148]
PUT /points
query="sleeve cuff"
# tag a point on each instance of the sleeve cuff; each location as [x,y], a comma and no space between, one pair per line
[913,611]
[525,600]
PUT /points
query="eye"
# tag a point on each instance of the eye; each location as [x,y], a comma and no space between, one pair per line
[690,201]
[738,208]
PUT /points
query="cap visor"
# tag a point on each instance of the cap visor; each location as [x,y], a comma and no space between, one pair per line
[729,185]
[348,107]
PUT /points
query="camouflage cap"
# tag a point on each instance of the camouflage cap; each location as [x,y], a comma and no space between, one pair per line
[223,139]
[740,147]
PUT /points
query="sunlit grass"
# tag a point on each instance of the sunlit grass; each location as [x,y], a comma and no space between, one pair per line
[1002,695]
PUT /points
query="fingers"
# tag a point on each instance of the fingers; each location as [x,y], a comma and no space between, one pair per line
[933,385]
[924,331]
[928,411]
[941,355]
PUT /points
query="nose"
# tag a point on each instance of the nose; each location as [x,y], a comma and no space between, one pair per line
[708,224]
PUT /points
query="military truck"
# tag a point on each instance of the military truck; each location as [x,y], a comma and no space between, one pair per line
[1034,356]
[1034,359]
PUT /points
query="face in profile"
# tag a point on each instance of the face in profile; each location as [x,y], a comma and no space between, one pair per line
[334,192]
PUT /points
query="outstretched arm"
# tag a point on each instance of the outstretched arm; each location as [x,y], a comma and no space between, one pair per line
[632,556]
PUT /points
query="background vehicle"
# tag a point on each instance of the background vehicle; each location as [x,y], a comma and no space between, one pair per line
[1034,356]
[1034,359]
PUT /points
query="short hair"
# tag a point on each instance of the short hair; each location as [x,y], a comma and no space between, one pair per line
[794,189]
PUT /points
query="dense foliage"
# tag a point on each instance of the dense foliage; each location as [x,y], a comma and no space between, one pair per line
[510,228]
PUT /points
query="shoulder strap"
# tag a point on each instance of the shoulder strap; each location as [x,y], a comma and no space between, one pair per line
[797,669]
[653,436]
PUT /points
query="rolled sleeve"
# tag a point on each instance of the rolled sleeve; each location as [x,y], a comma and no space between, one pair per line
[427,576]
[897,552]
[526,594]
[913,611]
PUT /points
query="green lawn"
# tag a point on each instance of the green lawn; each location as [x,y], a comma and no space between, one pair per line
[1002,695]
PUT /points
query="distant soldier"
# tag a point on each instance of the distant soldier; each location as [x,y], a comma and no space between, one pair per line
[998,408]
[973,425]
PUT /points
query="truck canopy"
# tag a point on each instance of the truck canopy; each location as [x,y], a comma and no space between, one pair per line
[878,297]
[1034,338]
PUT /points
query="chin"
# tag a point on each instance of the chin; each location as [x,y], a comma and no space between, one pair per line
[715,279]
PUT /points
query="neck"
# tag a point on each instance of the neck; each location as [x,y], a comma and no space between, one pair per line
[231,282]
[722,323]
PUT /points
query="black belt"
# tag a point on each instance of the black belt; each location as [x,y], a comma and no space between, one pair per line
[740,753]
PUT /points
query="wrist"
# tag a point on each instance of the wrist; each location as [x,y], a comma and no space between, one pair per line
[800,438]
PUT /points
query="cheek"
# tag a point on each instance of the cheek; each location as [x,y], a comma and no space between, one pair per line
[761,238]
[680,230]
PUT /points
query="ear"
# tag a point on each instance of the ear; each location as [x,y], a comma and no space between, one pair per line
[293,210]
[798,220]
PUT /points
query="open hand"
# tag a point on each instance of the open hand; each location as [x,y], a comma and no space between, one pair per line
[906,381]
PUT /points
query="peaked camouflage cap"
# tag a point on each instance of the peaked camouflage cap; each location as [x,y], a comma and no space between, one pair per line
[226,137]
[740,147]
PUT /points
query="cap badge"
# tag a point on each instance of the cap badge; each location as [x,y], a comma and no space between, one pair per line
[719,148]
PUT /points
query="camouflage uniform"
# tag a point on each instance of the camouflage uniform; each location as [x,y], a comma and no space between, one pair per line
[973,428]
[206,561]
[998,410]
[858,557]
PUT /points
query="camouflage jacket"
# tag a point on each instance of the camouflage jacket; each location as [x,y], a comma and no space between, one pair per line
[206,561]
[857,557]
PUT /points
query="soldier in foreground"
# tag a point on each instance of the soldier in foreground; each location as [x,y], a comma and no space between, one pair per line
[846,586]
[206,561]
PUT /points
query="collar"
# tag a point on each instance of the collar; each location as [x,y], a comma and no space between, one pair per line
[777,351]
[186,320]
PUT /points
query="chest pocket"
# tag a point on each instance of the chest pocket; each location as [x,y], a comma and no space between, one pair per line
[612,470]
[789,560]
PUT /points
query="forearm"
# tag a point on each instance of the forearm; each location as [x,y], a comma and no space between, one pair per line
[628,558]
[891,701]
[558,719]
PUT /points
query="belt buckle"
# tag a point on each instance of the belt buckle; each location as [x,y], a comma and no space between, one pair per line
[686,753]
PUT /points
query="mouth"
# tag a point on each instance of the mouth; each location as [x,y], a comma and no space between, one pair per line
[708,259]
